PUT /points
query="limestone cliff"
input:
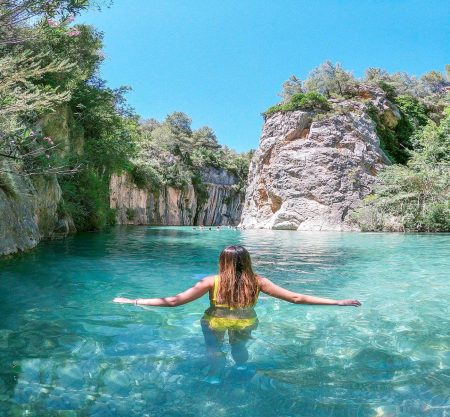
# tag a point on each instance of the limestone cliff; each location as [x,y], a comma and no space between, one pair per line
[312,168]
[29,205]
[30,214]
[170,206]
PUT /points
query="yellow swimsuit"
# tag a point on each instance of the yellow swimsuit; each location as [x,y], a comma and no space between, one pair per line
[222,317]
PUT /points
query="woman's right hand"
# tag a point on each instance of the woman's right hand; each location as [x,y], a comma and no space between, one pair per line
[352,303]
[123,300]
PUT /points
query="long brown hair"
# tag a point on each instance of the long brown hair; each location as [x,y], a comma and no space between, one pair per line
[238,286]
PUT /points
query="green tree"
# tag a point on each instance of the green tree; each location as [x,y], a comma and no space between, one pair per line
[329,79]
[17,16]
[179,123]
[205,137]
[291,86]
[300,101]
[432,82]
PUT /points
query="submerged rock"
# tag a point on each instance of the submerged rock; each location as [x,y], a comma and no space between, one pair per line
[71,376]
[117,382]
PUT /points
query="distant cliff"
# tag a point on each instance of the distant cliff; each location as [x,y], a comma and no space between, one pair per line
[33,208]
[171,206]
[313,167]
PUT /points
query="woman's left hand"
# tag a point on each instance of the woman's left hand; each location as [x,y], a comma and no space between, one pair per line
[353,303]
[122,300]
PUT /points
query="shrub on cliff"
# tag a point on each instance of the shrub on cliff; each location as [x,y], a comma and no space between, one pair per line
[50,74]
[291,86]
[407,198]
[146,177]
[86,199]
[40,66]
[396,84]
[328,79]
[300,101]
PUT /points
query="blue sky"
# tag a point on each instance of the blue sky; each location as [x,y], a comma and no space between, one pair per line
[223,62]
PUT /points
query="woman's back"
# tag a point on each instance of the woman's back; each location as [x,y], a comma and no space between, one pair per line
[216,301]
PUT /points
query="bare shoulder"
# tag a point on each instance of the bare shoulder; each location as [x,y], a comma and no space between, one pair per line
[207,281]
[262,282]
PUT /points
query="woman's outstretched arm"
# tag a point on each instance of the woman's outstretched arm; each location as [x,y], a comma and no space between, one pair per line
[191,294]
[269,288]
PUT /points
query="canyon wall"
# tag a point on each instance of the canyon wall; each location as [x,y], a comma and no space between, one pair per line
[310,170]
[172,207]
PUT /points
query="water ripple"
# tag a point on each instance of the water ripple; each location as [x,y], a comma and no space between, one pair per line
[66,350]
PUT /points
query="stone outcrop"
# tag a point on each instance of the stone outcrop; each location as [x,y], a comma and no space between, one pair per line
[311,170]
[173,207]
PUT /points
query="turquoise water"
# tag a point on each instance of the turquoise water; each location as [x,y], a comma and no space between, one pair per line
[67,350]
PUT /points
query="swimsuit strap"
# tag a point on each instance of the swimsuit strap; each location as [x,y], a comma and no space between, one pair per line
[215,291]
[216,288]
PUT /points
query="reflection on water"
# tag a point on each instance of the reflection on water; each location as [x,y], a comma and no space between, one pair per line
[66,350]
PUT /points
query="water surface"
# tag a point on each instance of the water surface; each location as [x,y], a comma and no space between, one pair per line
[67,350]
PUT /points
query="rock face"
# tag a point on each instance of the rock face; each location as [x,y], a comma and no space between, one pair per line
[310,170]
[173,207]
[29,208]
[30,213]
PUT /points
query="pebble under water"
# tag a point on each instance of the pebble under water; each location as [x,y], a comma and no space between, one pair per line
[66,350]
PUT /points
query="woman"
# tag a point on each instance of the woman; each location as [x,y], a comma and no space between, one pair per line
[232,294]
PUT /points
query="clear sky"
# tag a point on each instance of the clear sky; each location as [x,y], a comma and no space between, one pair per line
[223,61]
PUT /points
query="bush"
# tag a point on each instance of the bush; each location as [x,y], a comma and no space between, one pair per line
[388,89]
[86,200]
[416,197]
[131,214]
[200,189]
[331,80]
[394,145]
[177,176]
[413,110]
[203,157]
[301,101]
[146,177]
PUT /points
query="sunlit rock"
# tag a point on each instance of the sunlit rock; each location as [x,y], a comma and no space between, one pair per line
[311,170]
[174,207]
